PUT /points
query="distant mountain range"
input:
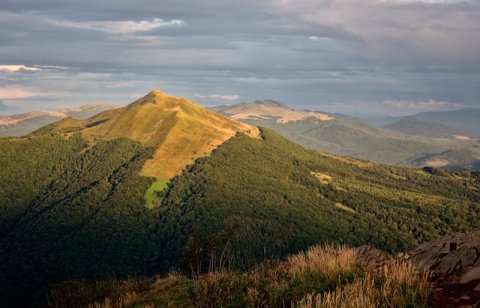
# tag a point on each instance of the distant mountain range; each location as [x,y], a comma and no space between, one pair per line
[147,188]
[418,140]
[408,142]
[466,120]
[22,124]
[415,127]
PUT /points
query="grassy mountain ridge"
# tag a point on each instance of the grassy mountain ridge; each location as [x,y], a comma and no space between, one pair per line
[180,130]
[85,216]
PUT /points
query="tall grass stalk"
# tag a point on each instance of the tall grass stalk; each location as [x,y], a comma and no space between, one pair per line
[328,261]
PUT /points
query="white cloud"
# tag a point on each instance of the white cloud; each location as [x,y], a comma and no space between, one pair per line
[108,26]
[125,27]
[429,105]
[16,92]
[14,68]
[229,97]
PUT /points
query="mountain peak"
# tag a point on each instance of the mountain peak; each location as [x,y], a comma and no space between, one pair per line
[180,130]
[271,103]
[156,95]
[163,101]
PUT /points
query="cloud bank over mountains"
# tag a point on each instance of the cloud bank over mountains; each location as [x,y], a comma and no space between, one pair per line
[333,55]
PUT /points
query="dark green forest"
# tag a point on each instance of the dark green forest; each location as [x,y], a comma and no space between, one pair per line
[73,212]
[27,166]
[88,221]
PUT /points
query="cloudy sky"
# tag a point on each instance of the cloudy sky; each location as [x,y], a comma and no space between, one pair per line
[352,56]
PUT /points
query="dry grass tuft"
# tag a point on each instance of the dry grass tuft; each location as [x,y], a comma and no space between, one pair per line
[354,295]
[328,261]
[398,285]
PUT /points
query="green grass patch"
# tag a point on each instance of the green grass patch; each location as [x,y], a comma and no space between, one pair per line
[152,195]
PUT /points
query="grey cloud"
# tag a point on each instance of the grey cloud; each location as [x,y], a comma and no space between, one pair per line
[299,52]
[400,31]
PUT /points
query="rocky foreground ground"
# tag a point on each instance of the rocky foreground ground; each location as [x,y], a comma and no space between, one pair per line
[454,261]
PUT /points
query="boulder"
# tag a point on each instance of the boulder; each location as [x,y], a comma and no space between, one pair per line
[371,258]
[454,257]
[471,275]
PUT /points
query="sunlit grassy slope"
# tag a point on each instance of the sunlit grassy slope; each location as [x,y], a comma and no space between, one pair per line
[180,130]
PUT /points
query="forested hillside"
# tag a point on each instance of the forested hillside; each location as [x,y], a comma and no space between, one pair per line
[26,168]
[283,197]
[82,214]
[88,221]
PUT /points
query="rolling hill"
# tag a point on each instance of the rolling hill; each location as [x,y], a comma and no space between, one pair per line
[413,126]
[341,136]
[267,109]
[463,119]
[22,124]
[74,194]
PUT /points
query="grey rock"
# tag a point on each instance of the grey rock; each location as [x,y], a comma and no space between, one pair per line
[371,258]
[472,275]
[450,257]
[477,288]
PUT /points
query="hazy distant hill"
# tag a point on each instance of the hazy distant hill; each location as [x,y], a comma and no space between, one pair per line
[265,110]
[242,107]
[413,126]
[345,136]
[22,124]
[5,107]
[464,119]
[80,199]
